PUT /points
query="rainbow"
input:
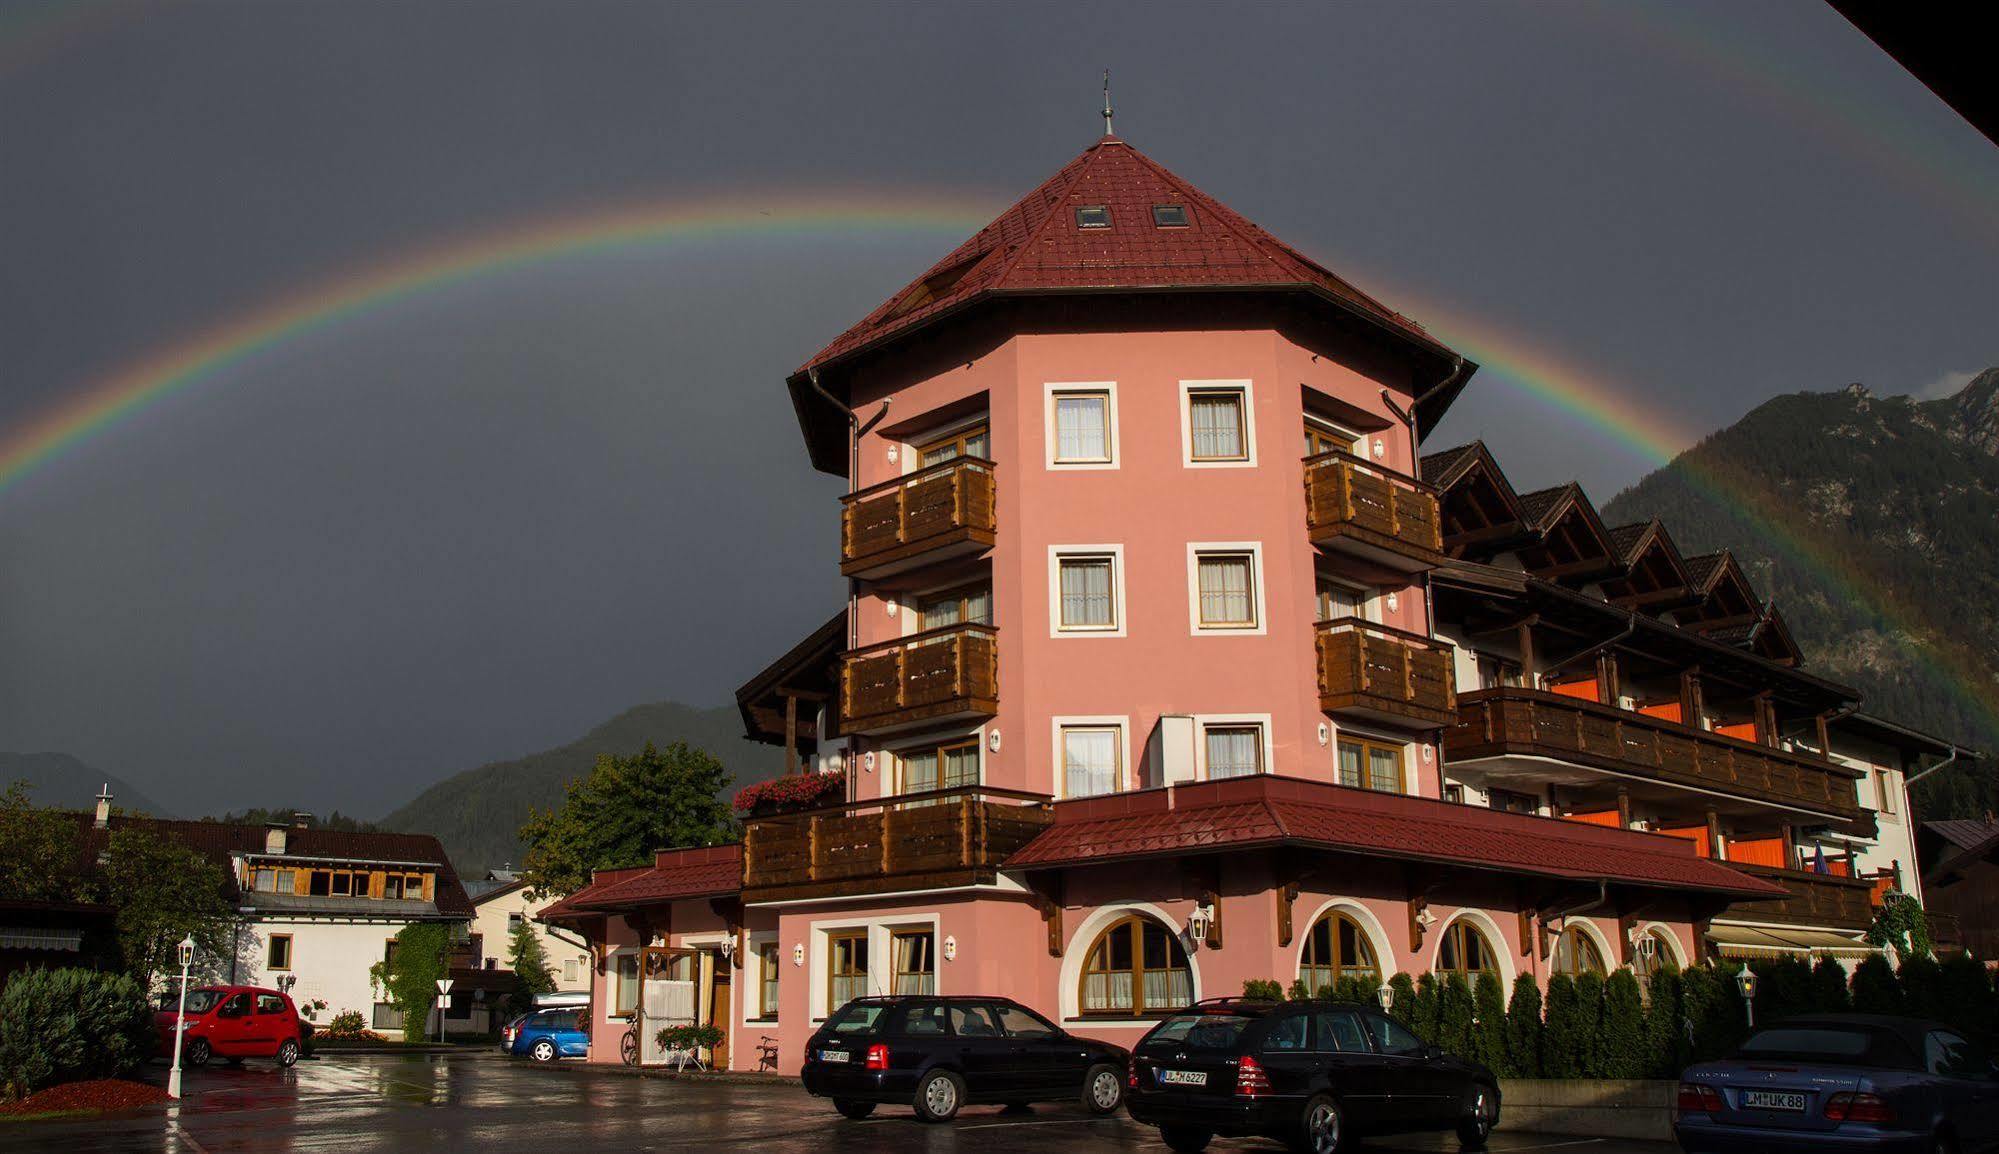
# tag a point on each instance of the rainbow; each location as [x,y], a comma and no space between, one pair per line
[1529,370]
[135,387]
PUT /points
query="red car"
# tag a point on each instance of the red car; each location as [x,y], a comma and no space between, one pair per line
[232,1023]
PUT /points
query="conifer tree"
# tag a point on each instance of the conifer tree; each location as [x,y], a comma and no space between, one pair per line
[1622,1031]
[1523,1029]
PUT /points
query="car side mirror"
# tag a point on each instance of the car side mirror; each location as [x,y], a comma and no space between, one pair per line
[1433,1052]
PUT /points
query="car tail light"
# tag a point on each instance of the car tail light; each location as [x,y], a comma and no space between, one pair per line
[1131,1072]
[1699,1099]
[877,1057]
[1250,1080]
[1858,1108]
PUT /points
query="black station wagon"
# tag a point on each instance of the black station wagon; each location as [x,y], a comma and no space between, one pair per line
[938,1054]
[1317,1075]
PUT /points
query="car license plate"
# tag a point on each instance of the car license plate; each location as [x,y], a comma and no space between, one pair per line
[1767,1100]
[832,1055]
[1182,1078]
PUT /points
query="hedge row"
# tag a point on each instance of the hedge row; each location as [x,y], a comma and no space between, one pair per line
[1610,1027]
[68,1025]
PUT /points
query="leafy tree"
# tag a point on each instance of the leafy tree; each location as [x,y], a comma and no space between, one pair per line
[39,851]
[1523,1029]
[1622,1030]
[1829,992]
[410,977]
[286,814]
[69,1025]
[1563,1042]
[628,808]
[1875,988]
[1901,923]
[529,962]
[165,891]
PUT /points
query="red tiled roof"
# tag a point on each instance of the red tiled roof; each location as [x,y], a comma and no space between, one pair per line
[1264,810]
[1037,247]
[217,840]
[709,871]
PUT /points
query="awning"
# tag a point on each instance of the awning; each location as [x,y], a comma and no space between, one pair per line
[1760,942]
[37,938]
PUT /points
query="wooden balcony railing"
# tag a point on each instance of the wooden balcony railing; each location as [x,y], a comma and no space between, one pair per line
[1359,507]
[942,838]
[1815,899]
[936,675]
[1384,673]
[944,510]
[1498,722]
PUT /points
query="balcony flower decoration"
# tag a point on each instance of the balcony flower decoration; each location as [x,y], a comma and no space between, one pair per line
[789,794]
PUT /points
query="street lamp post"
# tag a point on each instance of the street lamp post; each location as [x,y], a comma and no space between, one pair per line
[180,1018]
[1746,983]
[1385,994]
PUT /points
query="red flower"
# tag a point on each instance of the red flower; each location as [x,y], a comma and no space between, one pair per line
[790,793]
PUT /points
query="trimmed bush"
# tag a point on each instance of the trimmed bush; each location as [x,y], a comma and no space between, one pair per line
[1783,989]
[1967,990]
[1266,990]
[1563,1042]
[1829,992]
[1666,1042]
[1454,1015]
[1621,1034]
[1921,980]
[1488,1040]
[1403,1009]
[1875,989]
[1424,1015]
[1589,1029]
[70,1025]
[1523,1029]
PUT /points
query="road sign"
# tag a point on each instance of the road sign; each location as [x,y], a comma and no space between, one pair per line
[443,986]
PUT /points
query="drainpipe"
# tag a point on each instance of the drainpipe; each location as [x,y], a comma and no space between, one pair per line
[1602,898]
[855,429]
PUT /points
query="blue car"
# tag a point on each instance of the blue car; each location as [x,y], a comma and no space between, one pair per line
[546,1035]
[1843,1082]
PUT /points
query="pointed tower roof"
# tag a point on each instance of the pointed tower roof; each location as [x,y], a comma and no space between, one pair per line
[1042,246]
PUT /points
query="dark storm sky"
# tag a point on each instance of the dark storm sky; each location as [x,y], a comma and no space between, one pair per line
[477,522]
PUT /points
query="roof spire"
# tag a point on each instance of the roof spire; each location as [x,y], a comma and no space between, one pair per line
[1107,103]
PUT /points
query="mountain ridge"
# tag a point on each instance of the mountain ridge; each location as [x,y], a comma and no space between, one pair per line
[67,782]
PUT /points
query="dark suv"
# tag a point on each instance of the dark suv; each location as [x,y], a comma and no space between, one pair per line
[938,1054]
[1317,1075]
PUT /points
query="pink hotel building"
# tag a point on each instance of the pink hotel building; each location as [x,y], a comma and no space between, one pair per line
[1171,662]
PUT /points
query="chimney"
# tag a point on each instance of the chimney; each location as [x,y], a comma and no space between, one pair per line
[274,837]
[301,819]
[104,807]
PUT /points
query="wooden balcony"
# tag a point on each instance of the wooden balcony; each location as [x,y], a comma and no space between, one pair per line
[1354,507]
[933,514]
[936,840]
[934,676]
[1815,899]
[1529,723]
[1384,674]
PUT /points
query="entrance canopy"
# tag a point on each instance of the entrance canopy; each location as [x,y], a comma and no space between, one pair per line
[1764,942]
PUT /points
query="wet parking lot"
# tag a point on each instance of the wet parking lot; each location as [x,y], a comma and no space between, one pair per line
[481,1101]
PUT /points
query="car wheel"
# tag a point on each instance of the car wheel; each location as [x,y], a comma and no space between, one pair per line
[194,1055]
[1945,1144]
[939,1095]
[852,1109]
[1481,1117]
[288,1053]
[544,1051]
[1185,1139]
[1322,1127]
[1103,1089]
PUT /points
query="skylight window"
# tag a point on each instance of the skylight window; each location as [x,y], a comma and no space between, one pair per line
[1169,216]
[1093,216]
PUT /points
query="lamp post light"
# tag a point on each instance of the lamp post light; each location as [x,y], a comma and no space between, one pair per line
[1745,982]
[1385,994]
[180,1018]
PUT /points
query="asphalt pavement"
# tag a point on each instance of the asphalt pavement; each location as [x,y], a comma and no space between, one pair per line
[437,1103]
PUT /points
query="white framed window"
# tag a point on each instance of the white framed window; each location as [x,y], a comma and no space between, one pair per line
[1233,745]
[1217,424]
[1082,427]
[1092,755]
[1369,763]
[1086,590]
[1225,587]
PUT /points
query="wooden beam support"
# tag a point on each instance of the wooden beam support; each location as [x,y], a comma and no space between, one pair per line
[1418,906]
[1287,893]
[790,735]
[1529,669]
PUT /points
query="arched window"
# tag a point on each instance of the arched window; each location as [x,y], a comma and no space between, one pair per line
[1653,951]
[1576,954]
[1336,948]
[1465,950]
[1135,967]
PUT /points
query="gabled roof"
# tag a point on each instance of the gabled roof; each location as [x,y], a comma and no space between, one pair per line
[1036,246]
[1626,539]
[1964,833]
[675,875]
[803,666]
[1444,468]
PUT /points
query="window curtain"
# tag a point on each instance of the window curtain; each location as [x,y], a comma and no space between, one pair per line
[1350,765]
[914,971]
[1384,770]
[1224,589]
[1103,992]
[1217,422]
[1232,752]
[1086,593]
[919,772]
[1089,762]
[1081,428]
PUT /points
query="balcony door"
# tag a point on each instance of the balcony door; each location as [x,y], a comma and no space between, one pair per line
[947,765]
[970,441]
[1323,436]
[1333,599]
[963,605]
